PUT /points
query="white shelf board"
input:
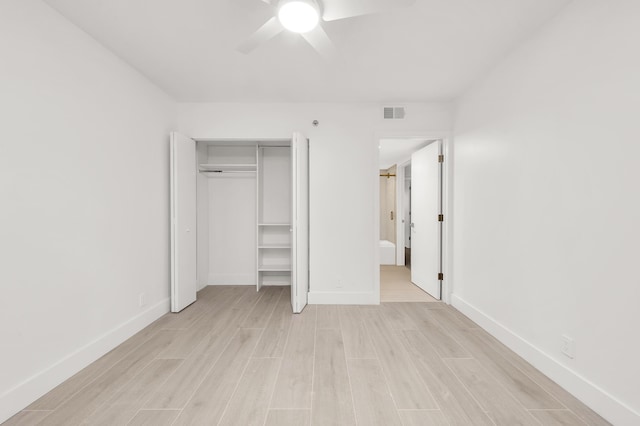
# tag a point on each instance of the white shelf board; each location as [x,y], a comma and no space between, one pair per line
[216,168]
[275,246]
[274,268]
[274,224]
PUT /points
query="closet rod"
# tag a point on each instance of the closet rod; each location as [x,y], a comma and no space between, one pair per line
[388,175]
[249,146]
[219,172]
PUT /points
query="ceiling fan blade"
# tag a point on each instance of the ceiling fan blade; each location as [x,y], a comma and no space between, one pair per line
[320,41]
[266,32]
[341,9]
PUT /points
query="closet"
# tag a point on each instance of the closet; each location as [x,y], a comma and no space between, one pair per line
[239,216]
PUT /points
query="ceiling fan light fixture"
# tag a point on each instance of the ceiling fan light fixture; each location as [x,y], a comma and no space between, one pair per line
[299,16]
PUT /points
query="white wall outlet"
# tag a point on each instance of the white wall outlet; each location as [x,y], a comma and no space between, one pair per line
[568,346]
[142,300]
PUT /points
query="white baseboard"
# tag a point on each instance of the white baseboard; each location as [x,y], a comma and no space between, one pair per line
[232,279]
[19,397]
[343,298]
[605,404]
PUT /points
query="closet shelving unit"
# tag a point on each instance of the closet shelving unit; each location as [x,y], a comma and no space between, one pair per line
[274,214]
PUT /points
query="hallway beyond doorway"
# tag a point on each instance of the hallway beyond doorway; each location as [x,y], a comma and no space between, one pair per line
[396,286]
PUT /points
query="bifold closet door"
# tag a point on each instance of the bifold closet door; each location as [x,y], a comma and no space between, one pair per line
[183,221]
[299,222]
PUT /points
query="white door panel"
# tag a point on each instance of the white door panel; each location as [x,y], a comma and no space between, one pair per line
[425,227]
[299,222]
[183,221]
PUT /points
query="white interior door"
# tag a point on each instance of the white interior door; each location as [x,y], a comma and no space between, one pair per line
[299,222]
[183,221]
[425,226]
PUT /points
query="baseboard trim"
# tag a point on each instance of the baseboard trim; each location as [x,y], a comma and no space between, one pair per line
[602,402]
[20,396]
[343,298]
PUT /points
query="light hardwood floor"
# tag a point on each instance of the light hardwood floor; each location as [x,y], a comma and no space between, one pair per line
[237,357]
[396,286]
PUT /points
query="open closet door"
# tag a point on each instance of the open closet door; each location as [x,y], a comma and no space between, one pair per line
[299,222]
[183,221]
[425,224]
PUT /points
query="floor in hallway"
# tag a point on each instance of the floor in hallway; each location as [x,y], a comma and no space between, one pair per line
[396,286]
[238,357]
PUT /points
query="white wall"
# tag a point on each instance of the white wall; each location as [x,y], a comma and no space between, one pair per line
[84,190]
[343,177]
[547,212]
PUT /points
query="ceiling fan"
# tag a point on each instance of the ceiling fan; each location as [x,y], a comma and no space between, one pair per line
[305,17]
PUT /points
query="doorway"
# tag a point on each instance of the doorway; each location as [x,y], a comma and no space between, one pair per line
[411,213]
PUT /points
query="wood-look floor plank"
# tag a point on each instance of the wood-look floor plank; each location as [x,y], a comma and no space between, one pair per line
[443,342]
[262,310]
[371,396]
[61,393]
[176,391]
[459,320]
[525,390]
[557,418]
[27,418]
[124,405]
[397,315]
[86,400]
[587,415]
[293,386]
[209,401]
[274,338]
[154,418]
[185,318]
[500,404]
[277,417]
[357,342]
[328,317]
[332,399]
[457,404]
[250,402]
[423,418]
[214,317]
[407,388]
[248,298]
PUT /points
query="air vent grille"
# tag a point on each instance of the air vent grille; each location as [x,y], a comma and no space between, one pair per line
[393,113]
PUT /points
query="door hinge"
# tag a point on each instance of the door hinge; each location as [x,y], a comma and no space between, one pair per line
[440,218]
[441,158]
[440,276]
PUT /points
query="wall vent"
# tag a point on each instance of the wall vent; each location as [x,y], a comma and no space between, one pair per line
[393,113]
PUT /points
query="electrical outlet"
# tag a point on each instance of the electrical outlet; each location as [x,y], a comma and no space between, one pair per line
[141,300]
[568,346]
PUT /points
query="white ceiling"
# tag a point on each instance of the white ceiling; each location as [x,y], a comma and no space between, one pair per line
[430,51]
[394,151]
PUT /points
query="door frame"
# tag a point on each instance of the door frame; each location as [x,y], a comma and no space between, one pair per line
[447,204]
[400,212]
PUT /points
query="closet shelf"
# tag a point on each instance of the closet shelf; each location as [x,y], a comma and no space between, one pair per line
[274,224]
[275,246]
[220,168]
[274,268]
